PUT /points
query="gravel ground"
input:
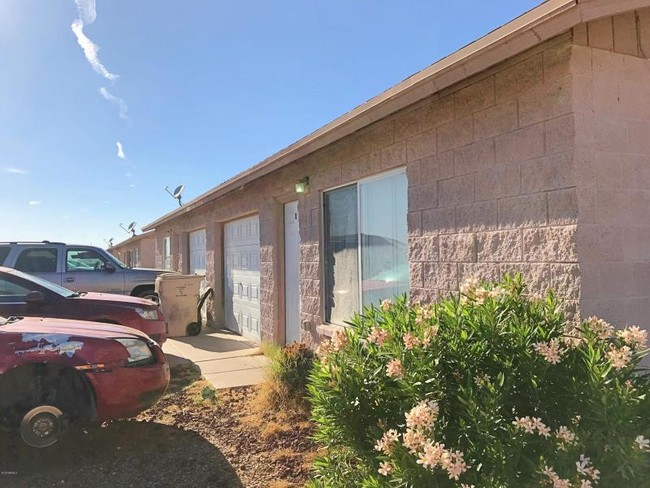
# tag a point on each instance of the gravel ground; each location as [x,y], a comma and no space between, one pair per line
[189,439]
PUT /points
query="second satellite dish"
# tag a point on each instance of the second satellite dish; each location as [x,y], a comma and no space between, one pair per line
[130,229]
[177,193]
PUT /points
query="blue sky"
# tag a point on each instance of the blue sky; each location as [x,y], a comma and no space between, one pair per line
[193,92]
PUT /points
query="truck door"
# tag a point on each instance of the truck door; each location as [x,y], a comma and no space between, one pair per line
[40,261]
[88,270]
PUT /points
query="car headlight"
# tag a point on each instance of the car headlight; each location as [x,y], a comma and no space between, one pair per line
[147,313]
[138,350]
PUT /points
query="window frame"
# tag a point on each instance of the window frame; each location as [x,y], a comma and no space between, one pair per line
[356,183]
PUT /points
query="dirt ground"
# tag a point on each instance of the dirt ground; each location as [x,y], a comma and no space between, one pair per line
[193,437]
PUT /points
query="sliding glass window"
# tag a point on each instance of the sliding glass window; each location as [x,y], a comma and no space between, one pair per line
[365,244]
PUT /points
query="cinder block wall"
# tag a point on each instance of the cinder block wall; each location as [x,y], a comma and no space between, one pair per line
[501,168]
[612,111]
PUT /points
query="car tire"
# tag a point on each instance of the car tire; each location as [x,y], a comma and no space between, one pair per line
[42,426]
[149,294]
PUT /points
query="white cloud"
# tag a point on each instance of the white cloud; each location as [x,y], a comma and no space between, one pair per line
[120,150]
[16,171]
[87,10]
[90,50]
[121,104]
[35,202]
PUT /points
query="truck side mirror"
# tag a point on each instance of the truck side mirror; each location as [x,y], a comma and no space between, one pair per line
[109,267]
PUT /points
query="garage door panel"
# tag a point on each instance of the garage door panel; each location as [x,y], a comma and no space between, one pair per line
[242,276]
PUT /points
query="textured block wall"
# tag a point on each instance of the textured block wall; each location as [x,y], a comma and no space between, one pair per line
[491,178]
[612,113]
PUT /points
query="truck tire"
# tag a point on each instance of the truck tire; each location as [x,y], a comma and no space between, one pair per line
[149,294]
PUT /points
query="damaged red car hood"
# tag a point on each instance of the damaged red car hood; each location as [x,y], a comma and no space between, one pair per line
[39,325]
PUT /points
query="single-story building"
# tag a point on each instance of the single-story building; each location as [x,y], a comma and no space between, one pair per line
[138,251]
[527,150]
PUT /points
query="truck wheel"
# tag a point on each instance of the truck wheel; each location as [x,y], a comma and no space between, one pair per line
[149,295]
[42,426]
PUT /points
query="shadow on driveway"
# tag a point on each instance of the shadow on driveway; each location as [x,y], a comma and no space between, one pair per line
[220,341]
[123,454]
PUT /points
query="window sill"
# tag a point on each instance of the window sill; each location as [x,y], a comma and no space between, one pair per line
[327,330]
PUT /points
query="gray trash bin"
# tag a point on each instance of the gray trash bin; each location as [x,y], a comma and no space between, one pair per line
[179,297]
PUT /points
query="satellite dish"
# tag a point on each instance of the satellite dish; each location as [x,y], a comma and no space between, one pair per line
[176,193]
[130,229]
[109,242]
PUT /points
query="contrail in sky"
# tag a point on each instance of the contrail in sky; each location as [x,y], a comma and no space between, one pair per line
[88,14]
[121,104]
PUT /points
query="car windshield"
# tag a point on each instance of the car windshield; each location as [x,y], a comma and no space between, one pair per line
[58,289]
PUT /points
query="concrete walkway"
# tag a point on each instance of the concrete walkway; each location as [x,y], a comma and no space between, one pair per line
[225,359]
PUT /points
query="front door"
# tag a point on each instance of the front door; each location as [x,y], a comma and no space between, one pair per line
[291,273]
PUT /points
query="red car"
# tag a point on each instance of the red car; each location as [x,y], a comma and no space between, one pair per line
[23,295]
[54,371]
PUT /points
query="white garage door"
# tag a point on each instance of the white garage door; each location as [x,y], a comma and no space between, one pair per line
[242,277]
[197,252]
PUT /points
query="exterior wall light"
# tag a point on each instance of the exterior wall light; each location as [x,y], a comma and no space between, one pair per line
[302,185]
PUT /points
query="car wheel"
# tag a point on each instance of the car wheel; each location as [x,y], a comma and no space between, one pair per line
[42,426]
[149,295]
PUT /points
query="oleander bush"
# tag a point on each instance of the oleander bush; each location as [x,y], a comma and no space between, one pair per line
[492,388]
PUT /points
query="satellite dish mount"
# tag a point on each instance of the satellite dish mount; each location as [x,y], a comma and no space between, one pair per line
[177,193]
[130,229]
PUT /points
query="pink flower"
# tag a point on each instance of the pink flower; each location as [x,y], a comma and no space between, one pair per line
[532,424]
[423,415]
[619,357]
[394,369]
[378,336]
[422,314]
[564,436]
[550,350]
[410,341]
[413,440]
[432,455]
[585,468]
[482,379]
[387,442]
[634,336]
[602,329]
[385,468]
[339,340]
[642,443]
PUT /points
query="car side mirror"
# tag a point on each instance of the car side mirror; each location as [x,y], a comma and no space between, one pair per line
[109,267]
[35,298]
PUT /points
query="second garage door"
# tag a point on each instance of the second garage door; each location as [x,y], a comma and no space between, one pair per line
[242,277]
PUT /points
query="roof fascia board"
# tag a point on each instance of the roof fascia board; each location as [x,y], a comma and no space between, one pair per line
[544,22]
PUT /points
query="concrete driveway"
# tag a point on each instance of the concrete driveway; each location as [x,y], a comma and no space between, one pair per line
[225,359]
